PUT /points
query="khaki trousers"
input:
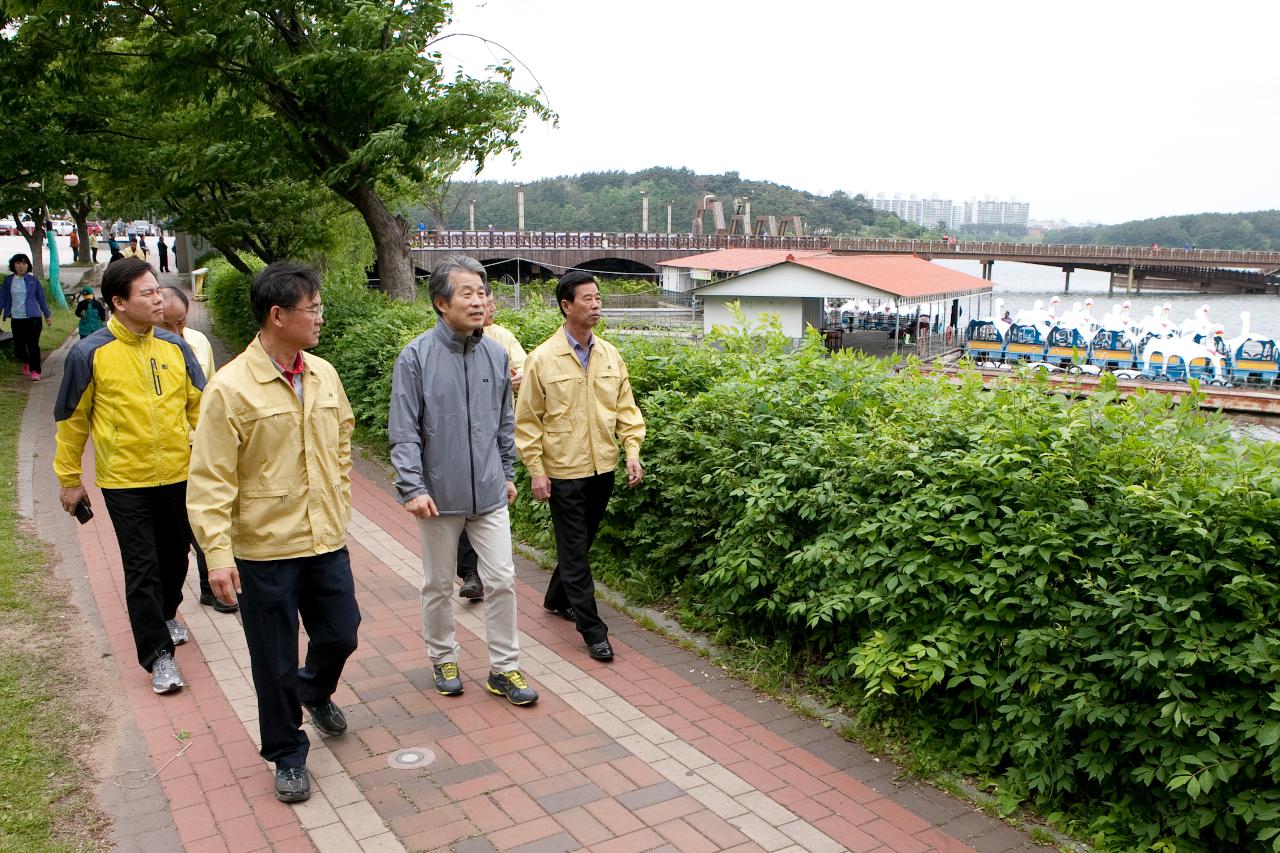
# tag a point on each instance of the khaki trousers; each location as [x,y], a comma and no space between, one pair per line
[490,535]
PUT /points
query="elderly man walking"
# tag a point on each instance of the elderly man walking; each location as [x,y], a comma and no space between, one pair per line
[451,427]
[575,407]
[270,498]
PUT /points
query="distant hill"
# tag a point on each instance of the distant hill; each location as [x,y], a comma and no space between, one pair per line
[1259,231]
[610,201]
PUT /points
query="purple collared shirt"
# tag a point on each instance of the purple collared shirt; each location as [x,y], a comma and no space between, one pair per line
[582,352]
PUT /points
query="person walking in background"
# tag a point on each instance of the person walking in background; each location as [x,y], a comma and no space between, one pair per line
[136,390]
[468,561]
[142,245]
[163,252]
[270,500]
[176,306]
[133,250]
[575,405]
[94,238]
[92,313]
[451,429]
[22,301]
[75,244]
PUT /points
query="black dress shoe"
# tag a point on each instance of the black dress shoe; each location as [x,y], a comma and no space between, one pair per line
[601,650]
[293,784]
[565,613]
[208,599]
[327,718]
[471,588]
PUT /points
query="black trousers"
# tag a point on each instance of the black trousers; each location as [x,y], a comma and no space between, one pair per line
[154,535]
[164,262]
[26,341]
[93,250]
[276,592]
[577,508]
[468,559]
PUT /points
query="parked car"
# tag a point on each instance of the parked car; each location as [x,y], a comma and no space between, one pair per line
[7,227]
[63,227]
[141,227]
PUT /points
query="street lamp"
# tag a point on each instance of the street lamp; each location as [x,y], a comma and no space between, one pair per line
[71,179]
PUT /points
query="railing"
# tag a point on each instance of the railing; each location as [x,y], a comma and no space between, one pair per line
[596,240]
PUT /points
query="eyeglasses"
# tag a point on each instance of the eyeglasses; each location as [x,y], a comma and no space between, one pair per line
[316,311]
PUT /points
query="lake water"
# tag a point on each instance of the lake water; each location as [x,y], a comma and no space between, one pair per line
[1020,285]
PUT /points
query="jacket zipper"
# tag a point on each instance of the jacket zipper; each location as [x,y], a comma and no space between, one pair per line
[471,456]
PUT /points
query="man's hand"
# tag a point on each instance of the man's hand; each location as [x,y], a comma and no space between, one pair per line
[541,488]
[423,507]
[225,584]
[517,376]
[512,491]
[635,472]
[71,496]
[48,321]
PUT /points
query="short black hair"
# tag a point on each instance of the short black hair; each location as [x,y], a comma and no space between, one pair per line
[567,286]
[19,257]
[180,294]
[119,277]
[283,283]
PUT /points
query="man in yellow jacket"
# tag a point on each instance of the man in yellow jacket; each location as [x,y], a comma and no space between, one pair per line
[270,498]
[136,390]
[575,406]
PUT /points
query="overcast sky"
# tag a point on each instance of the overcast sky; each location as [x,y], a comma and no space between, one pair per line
[1102,111]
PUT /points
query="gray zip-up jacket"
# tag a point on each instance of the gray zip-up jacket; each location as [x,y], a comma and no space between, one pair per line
[451,423]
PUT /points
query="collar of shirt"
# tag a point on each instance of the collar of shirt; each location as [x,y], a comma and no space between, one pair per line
[583,352]
[291,373]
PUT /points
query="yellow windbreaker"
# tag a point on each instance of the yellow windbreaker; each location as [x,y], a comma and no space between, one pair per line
[139,397]
[271,476]
[569,422]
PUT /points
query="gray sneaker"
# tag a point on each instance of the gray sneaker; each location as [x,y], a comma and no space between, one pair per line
[165,677]
[177,632]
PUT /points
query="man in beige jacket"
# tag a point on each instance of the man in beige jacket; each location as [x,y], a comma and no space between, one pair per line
[575,406]
[269,500]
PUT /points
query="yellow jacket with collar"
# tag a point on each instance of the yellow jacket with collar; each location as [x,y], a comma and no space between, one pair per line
[271,475]
[138,396]
[569,422]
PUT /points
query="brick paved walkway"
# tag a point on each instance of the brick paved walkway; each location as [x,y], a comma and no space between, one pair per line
[657,751]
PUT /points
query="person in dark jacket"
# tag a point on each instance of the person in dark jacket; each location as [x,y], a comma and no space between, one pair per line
[452,432]
[91,311]
[22,301]
[163,252]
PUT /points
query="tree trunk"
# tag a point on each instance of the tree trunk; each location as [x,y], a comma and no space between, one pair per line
[82,228]
[394,267]
[35,243]
[237,263]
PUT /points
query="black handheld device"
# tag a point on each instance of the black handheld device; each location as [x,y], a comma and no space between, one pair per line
[83,511]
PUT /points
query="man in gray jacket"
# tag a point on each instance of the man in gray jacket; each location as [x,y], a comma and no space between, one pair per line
[452,432]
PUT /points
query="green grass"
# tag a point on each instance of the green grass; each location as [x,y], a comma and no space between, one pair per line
[46,798]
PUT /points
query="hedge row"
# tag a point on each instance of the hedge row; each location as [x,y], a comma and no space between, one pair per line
[1079,596]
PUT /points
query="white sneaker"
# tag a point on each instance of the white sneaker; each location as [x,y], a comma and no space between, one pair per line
[165,677]
[177,632]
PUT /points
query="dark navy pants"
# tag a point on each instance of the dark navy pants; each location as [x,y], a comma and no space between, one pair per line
[468,559]
[275,593]
[577,508]
[151,527]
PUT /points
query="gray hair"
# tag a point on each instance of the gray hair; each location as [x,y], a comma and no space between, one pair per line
[441,285]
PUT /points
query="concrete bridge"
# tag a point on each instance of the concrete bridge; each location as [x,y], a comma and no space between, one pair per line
[539,254]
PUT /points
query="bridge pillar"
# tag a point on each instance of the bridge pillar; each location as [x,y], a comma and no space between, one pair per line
[1111,282]
[1129,284]
[1066,279]
[987,267]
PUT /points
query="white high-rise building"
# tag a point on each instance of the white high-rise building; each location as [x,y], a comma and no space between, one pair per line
[934,211]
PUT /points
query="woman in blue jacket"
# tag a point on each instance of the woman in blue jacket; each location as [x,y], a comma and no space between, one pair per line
[22,300]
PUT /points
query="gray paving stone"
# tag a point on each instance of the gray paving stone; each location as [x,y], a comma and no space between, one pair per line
[564,800]
[641,797]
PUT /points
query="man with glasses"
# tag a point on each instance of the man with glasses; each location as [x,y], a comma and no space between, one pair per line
[270,498]
[136,389]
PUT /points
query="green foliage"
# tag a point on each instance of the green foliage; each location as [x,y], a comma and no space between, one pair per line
[610,201]
[1259,230]
[227,297]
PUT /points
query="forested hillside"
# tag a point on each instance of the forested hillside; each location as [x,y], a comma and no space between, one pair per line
[610,201]
[1259,230]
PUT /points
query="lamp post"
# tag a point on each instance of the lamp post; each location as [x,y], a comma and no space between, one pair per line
[471,221]
[519,207]
[644,212]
